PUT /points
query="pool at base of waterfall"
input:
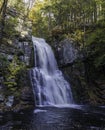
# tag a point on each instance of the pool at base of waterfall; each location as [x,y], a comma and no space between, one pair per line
[73,117]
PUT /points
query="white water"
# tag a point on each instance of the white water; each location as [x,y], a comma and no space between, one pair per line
[49,85]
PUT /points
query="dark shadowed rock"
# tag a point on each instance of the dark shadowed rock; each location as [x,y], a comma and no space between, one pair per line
[10,101]
[70,61]
[67,52]
[27,96]
[2,98]
[80,73]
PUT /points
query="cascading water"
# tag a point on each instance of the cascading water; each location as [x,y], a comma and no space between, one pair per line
[49,85]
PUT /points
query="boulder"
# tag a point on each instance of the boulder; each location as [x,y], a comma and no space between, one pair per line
[10,101]
[67,52]
[27,96]
[2,98]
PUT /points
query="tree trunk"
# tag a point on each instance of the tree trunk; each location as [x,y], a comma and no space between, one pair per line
[3,15]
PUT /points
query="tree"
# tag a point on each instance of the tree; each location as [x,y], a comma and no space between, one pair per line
[69,15]
[11,13]
[3,15]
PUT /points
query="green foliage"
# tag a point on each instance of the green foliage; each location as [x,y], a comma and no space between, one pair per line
[70,15]
[12,73]
[11,23]
[3,64]
[18,5]
[57,32]
[77,36]
[15,69]
[10,26]
[96,45]
[72,19]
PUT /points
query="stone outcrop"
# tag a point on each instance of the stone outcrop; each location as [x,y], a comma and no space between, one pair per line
[22,47]
[67,52]
[80,73]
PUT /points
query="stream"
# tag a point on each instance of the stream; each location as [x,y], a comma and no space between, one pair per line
[74,117]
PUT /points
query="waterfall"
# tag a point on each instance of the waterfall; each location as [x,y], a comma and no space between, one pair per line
[49,85]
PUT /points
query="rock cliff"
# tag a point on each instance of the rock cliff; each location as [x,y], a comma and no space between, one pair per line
[87,83]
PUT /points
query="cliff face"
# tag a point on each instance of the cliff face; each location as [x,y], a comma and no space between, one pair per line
[15,62]
[80,73]
[88,84]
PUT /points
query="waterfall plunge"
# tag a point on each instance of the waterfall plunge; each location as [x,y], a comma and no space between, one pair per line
[49,85]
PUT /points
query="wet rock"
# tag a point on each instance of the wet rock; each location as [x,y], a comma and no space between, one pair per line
[25,37]
[25,47]
[1,98]
[1,83]
[86,81]
[1,79]
[67,53]
[10,57]
[27,96]
[10,101]
[21,58]
[70,61]
[26,59]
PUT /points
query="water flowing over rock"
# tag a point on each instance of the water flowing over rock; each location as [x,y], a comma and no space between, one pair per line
[49,85]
